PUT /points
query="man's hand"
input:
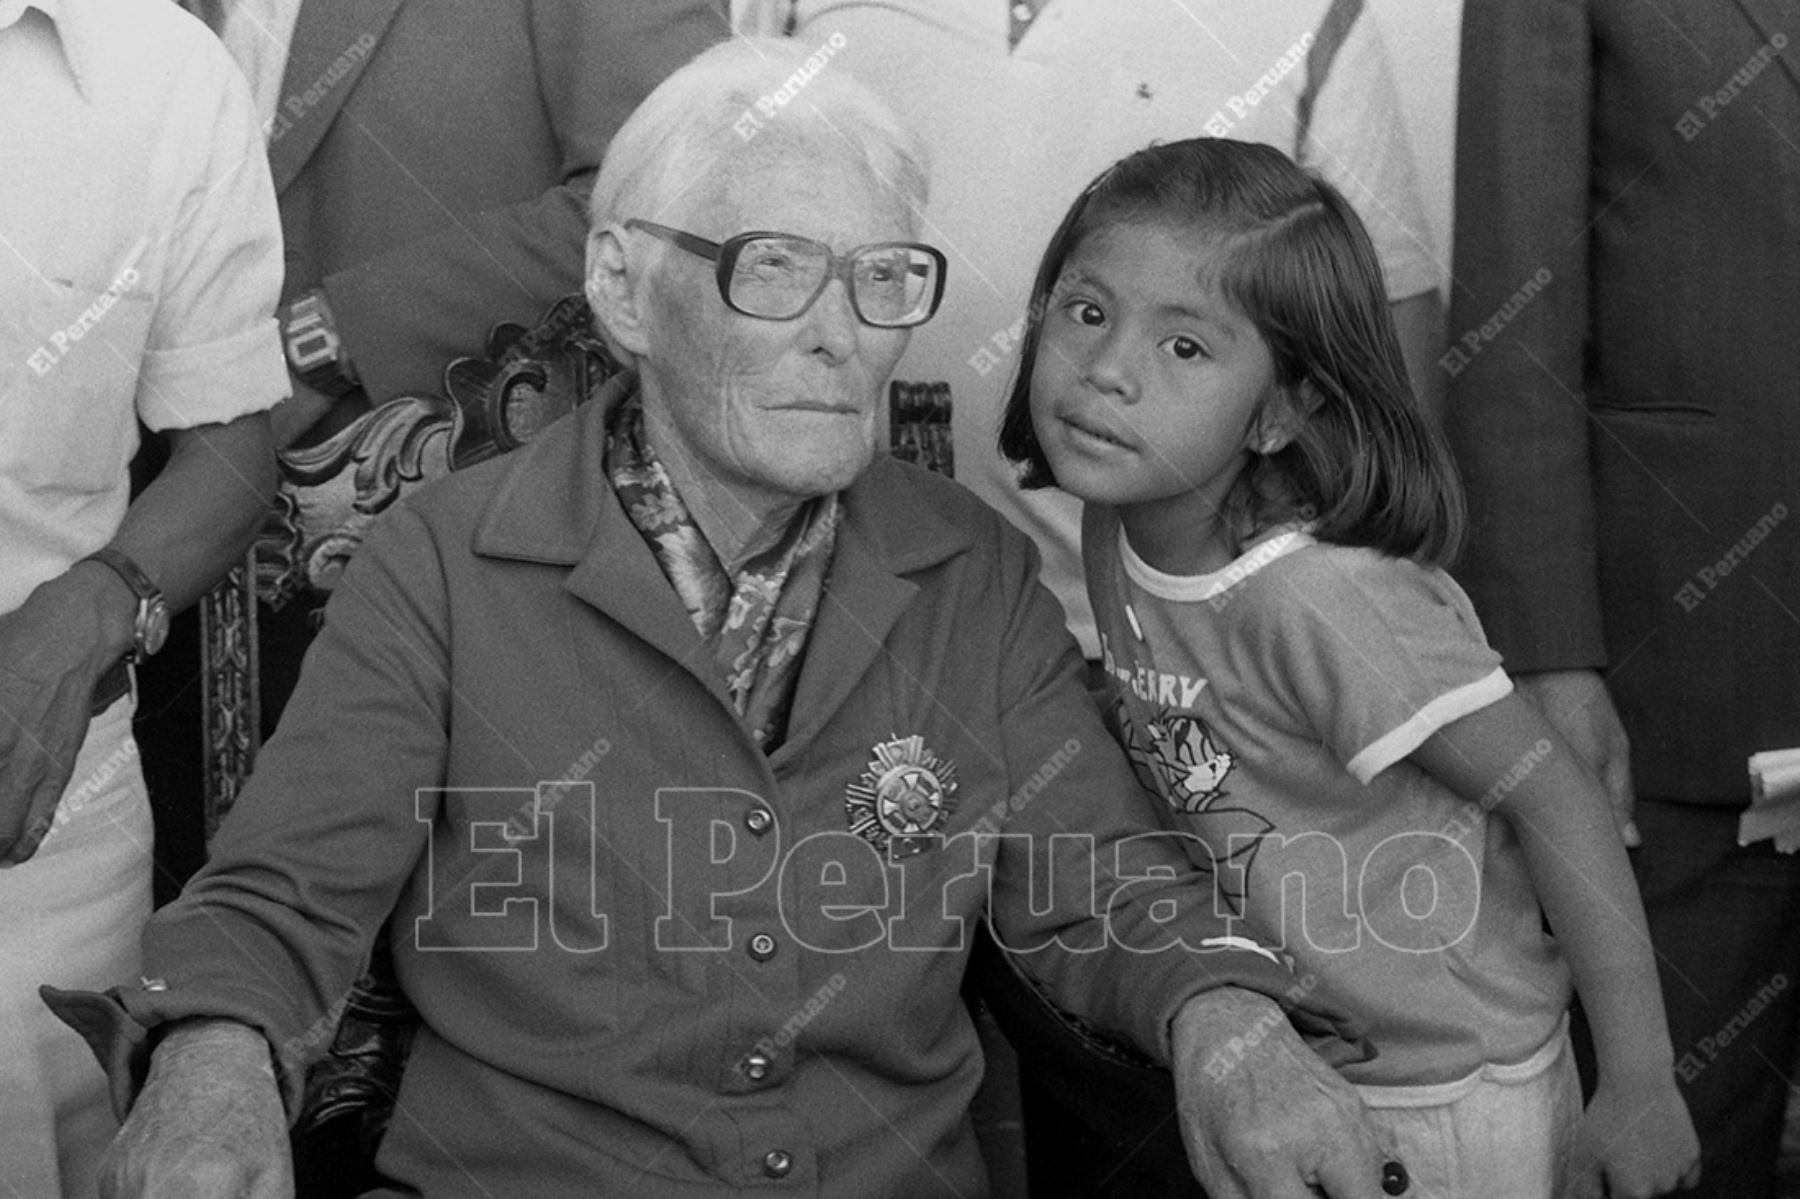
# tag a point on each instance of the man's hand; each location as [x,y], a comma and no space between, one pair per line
[208,1124]
[1577,705]
[185,531]
[53,649]
[1263,1117]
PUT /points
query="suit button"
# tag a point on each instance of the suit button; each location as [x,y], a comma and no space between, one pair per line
[762,947]
[759,820]
[756,1066]
[777,1163]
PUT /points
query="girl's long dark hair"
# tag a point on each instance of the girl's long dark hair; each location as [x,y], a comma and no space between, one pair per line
[1368,467]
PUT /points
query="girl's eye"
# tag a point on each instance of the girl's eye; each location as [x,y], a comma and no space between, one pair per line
[1085,312]
[1185,348]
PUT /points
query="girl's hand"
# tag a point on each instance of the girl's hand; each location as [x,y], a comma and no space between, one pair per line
[1634,1141]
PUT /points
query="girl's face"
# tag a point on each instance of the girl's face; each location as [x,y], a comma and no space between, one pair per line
[1148,383]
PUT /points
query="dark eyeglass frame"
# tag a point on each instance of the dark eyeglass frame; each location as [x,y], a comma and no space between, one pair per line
[837,266]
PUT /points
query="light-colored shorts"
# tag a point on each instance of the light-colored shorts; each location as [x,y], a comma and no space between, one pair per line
[1503,1132]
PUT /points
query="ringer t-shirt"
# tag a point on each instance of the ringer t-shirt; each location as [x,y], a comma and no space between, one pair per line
[1272,705]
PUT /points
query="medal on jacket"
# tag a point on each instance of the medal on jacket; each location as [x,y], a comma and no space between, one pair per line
[904,799]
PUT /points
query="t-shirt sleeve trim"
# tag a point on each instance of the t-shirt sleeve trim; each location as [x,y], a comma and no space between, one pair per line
[1233,941]
[1452,705]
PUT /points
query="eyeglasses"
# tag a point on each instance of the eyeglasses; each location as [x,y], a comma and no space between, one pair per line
[778,276]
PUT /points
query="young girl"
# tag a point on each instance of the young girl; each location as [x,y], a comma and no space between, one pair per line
[1209,364]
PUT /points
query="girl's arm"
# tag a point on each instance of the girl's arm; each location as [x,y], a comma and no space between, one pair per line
[1637,1131]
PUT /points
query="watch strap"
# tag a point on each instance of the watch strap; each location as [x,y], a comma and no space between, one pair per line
[315,353]
[150,624]
[133,574]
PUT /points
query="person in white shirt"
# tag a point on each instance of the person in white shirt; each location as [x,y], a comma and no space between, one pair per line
[140,260]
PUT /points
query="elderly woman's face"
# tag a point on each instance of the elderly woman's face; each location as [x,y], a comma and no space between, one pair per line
[775,409]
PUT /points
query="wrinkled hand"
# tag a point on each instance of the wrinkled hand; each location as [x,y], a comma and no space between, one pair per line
[207,1125]
[1262,1116]
[1577,705]
[53,649]
[1634,1141]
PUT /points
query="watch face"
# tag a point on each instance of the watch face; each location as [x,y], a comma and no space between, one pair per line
[155,627]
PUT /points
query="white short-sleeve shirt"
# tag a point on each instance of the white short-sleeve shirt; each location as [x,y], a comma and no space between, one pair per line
[140,262]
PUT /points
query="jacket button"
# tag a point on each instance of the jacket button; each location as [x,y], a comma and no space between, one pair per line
[756,1066]
[777,1163]
[762,947]
[759,820]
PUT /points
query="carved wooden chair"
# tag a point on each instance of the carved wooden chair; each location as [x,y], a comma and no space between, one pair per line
[333,492]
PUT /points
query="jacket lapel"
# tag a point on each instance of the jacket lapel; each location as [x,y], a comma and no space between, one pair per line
[1773,17]
[556,507]
[333,41]
[888,534]
[619,576]
[863,600]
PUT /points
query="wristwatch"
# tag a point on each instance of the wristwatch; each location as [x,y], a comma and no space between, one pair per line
[315,352]
[150,628]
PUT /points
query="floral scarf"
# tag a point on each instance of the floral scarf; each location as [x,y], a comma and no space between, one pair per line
[756,623]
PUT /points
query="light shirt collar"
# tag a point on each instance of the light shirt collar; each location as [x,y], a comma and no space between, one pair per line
[69,20]
[1274,543]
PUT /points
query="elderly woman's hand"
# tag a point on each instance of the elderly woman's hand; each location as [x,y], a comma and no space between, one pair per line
[1263,1117]
[208,1123]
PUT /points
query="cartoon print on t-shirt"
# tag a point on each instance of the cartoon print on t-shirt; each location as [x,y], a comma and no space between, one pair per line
[1186,756]
[1177,756]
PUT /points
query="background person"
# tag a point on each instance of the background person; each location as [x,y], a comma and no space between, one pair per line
[1624,409]
[138,280]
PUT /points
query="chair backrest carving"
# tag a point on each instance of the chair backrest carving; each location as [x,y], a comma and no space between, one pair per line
[332,491]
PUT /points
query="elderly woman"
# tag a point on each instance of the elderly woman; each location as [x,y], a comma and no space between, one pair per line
[682,747]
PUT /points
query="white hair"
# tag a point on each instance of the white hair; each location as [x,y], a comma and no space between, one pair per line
[756,96]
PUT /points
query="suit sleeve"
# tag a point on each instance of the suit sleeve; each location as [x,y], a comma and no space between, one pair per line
[408,312]
[1517,412]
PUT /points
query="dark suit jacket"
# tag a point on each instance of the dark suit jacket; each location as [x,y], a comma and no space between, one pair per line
[433,159]
[1625,325]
